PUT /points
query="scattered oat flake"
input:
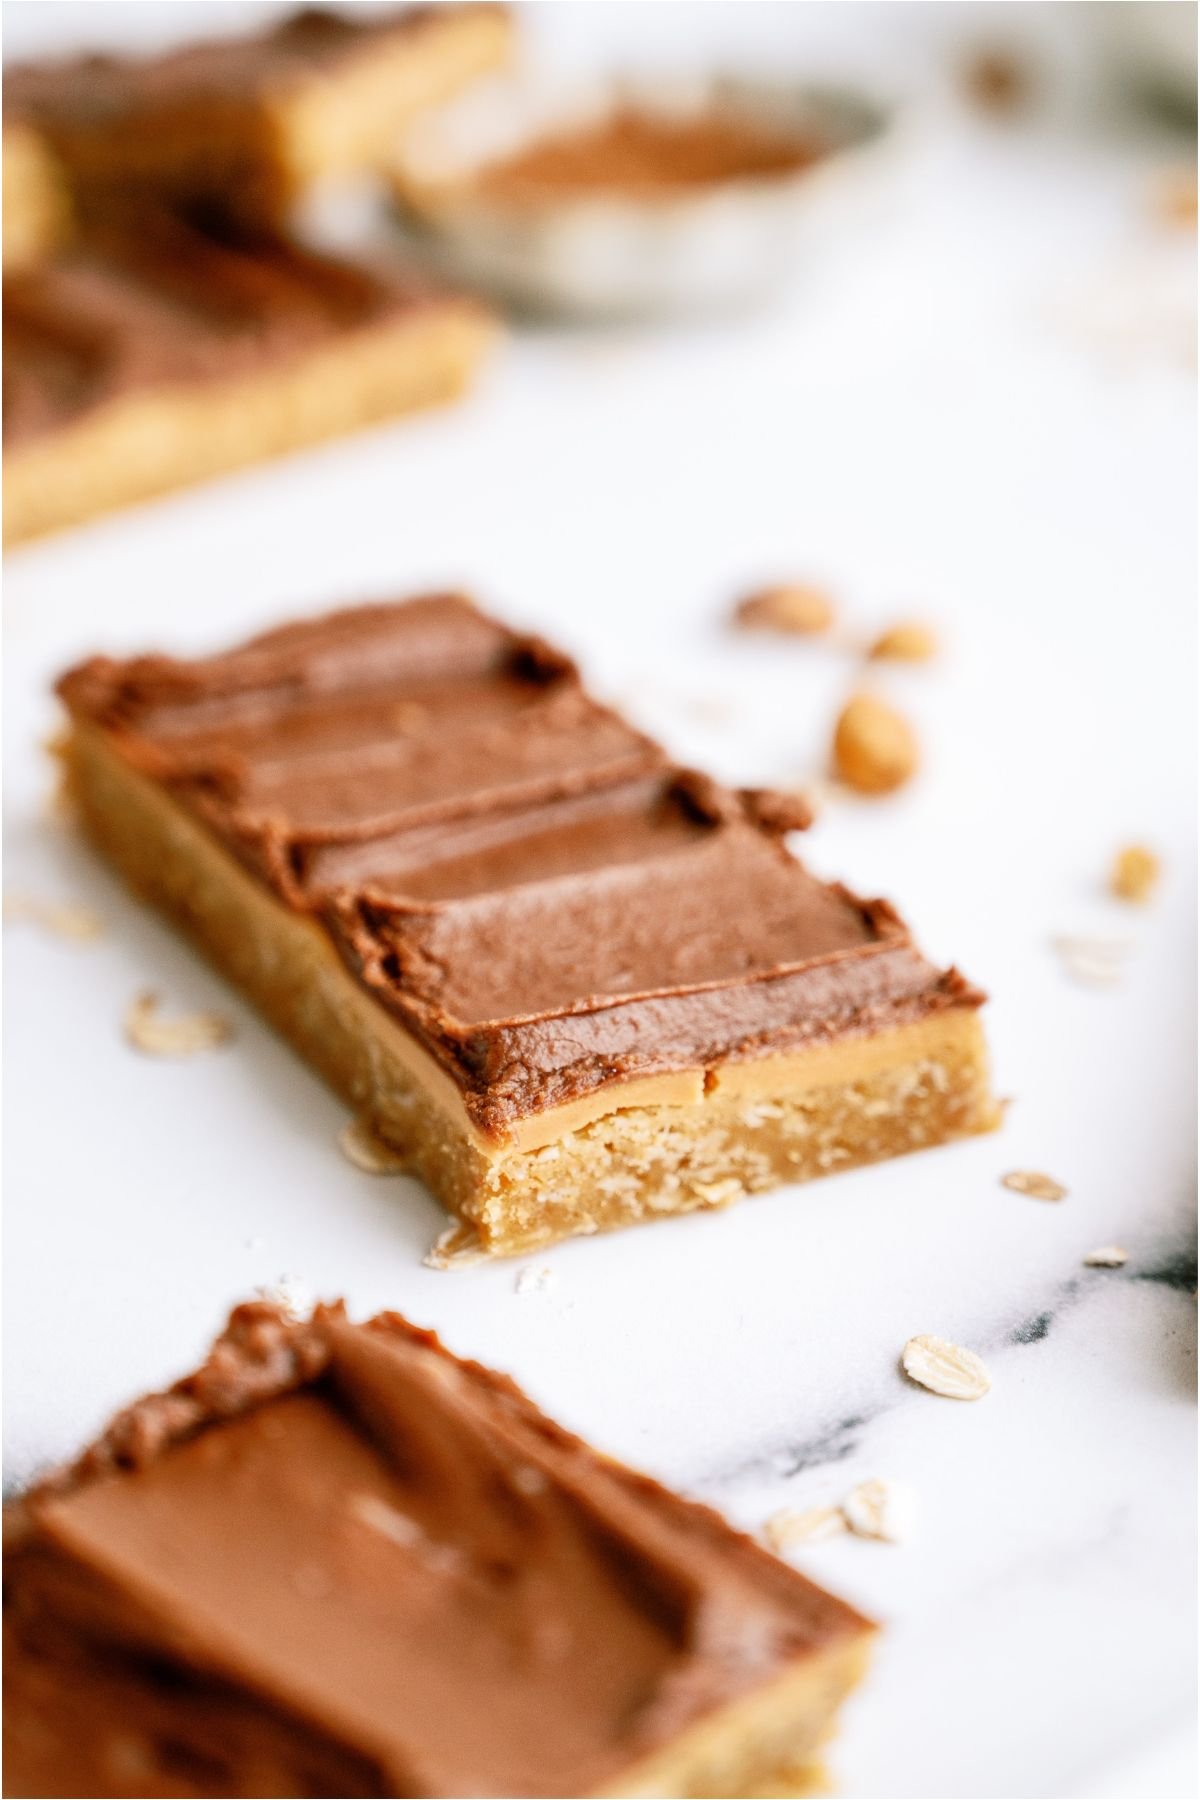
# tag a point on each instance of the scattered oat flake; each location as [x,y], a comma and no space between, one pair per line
[945,1368]
[291,1295]
[1037,1186]
[1134,874]
[812,1526]
[456,1248]
[173,1037]
[1096,961]
[534,1280]
[1108,1256]
[362,1146]
[65,918]
[882,1509]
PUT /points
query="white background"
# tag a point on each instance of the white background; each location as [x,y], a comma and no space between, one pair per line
[979,410]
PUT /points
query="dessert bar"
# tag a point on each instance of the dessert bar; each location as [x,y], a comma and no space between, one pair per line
[337,1560]
[250,121]
[160,350]
[573,985]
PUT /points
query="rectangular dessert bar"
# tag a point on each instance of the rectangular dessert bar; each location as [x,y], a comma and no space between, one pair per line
[250,121]
[160,351]
[575,986]
[337,1560]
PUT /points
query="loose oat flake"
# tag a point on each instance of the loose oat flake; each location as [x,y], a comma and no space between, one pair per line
[173,1037]
[456,1248]
[1037,1186]
[945,1368]
[65,918]
[294,1298]
[1108,1256]
[1095,961]
[882,1509]
[360,1145]
[534,1280]
[812,1526]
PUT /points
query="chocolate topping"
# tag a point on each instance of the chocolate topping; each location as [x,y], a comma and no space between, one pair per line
[520,878]
[364,1557]
[169,299]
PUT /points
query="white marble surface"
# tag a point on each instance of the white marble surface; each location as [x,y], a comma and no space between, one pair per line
[971,415]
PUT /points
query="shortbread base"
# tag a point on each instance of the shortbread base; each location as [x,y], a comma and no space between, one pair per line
[588,1167]
[35,209]
[763,1747]
[142,444]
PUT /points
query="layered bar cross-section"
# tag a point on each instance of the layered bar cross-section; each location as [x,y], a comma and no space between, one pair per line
[574,985]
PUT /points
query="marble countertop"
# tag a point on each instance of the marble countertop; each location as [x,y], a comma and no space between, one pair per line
[976,414]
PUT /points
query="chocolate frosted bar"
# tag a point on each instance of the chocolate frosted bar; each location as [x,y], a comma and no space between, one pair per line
[161,351]
[336,1560]
[574,985]
[249,121]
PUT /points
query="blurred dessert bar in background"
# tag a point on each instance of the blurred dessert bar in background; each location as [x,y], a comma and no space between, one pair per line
[252,121]
[573,985]
[159,350]
[180,332]
[337,1560]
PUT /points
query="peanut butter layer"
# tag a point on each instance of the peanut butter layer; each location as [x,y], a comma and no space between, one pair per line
[246,120]
[516,875]
[166,302]
[337,1555]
